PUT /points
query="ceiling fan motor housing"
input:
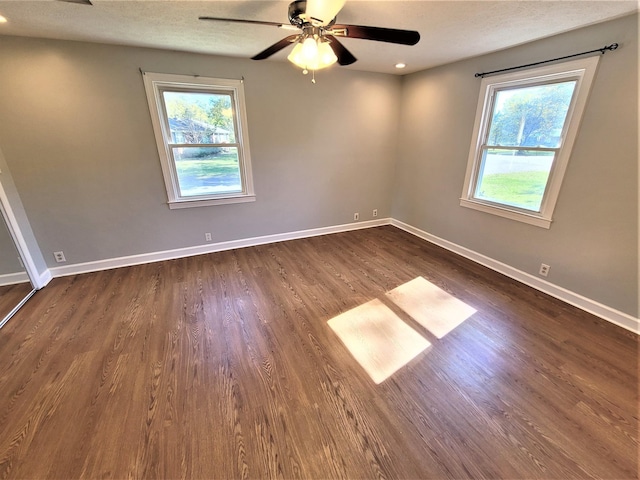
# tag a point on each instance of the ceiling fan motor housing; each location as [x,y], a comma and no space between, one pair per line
[298,17]
[296,9]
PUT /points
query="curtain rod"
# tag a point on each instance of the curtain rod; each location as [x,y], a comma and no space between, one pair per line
[602,50]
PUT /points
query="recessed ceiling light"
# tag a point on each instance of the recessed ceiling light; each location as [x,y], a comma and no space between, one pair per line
[2,19]
[400,65]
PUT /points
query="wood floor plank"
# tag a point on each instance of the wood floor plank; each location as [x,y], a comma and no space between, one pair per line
[224,366]
[11,296]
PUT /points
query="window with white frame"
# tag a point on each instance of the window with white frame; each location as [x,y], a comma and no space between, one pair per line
[200,127]
[526,124]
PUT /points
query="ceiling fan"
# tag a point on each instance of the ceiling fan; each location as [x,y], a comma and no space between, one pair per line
[316,44]
[81,2]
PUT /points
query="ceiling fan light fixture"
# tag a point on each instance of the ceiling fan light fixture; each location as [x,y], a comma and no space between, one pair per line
[312,54]
[326,54]
[309,49]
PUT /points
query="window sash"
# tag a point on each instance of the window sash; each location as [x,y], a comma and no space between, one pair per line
[495,90]
[223,194]
[204,90]
[208,145]
[517,147]
[479,178]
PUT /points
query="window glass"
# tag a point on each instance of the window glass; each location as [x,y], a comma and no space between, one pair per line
[199,117]
[517,178]
[207,170]
[530,116]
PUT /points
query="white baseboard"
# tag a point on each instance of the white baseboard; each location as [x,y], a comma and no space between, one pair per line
[22,277]
[13,278]
[43,279]
[128,261]
[607,313]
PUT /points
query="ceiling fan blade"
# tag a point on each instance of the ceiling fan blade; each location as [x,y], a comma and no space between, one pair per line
[276,47]
[81,2]
[238,20]
[345,57]
[379,34]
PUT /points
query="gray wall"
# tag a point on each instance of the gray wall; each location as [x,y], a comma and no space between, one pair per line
[9,256]
[592,245]
[77,135]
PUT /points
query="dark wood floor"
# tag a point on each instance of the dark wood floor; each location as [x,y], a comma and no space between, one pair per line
[12,295]
[223,366]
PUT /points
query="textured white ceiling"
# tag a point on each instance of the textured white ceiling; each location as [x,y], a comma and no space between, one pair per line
[450,30]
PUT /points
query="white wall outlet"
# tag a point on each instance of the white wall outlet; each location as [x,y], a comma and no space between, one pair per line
[207,237]
[59,256]
[375,212]
[544,269]
[356,216]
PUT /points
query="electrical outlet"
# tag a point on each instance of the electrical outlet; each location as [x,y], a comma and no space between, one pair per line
[544,270]
[356,216]
[59,256]
[207,237]
[375,212]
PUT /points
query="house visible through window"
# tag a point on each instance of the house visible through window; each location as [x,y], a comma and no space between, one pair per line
[526,124]
[201,133]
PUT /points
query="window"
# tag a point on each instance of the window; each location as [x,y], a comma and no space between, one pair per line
[201,132]
[526,124]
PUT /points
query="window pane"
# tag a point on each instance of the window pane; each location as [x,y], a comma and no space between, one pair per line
[207,170]
[199,117]
[530,116]
[516,178]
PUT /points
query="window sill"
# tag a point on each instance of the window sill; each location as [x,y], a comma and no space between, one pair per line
[531,219]
[173,205]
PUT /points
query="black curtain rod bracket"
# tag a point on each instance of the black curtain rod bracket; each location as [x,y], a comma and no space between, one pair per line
[602,50]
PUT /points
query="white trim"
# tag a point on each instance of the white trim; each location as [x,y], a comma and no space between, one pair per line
[210,202]
[13,278]
[207,248]
[607,313]
[21,245]
[43,279]
[603,311]
[506,213]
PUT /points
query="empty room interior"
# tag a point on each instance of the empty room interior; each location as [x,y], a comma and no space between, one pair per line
[319,239]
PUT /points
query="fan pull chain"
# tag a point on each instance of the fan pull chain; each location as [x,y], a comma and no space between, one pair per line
[313,74]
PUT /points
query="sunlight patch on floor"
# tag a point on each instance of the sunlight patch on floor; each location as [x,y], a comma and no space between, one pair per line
[382,342]
[430,306]
[378,339]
